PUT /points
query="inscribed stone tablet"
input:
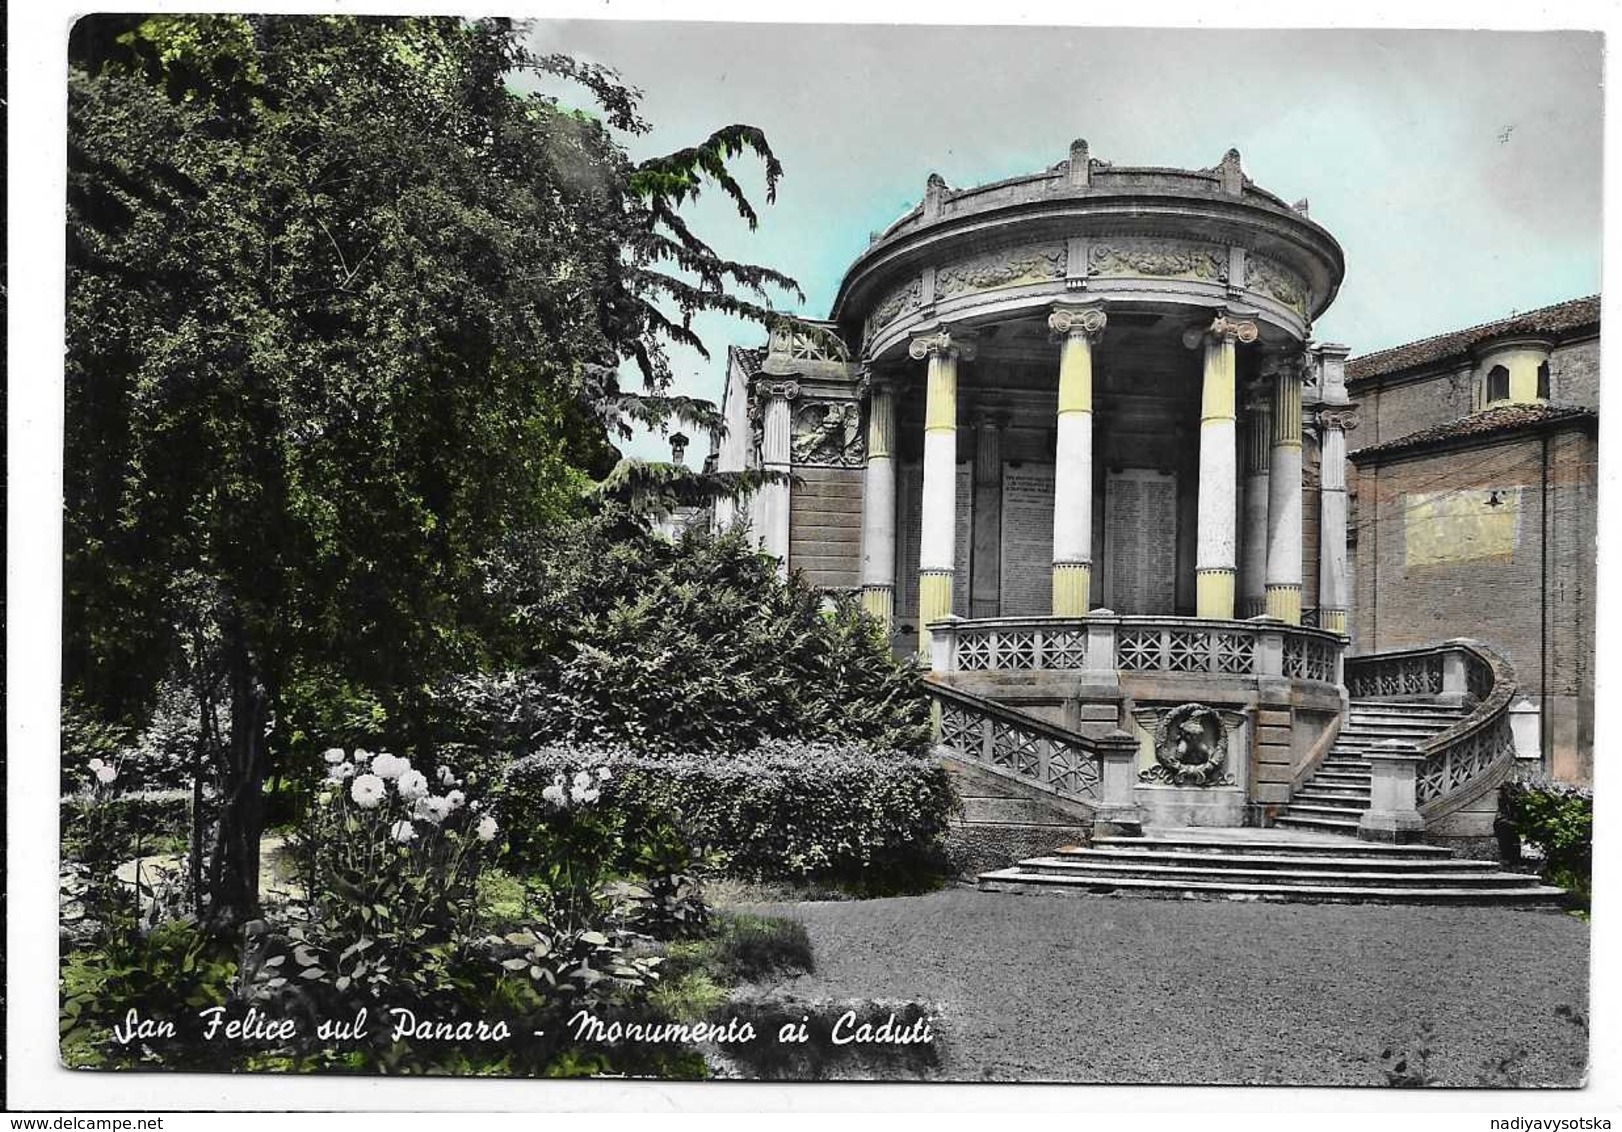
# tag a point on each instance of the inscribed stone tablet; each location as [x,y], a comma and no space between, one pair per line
[1027,540]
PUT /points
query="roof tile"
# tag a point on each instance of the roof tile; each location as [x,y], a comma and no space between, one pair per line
[1557,319]
[1500,418]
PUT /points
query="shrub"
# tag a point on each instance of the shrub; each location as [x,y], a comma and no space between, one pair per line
[1558,818]
[691,646]
[781,811]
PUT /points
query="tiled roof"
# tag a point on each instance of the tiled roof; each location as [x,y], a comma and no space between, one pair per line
[749,358]
[1555,320]
[1501,418]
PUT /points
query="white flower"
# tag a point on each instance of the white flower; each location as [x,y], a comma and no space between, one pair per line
[367,790]
[412,785]
[432,809]
[341,771]
[333,755]
[362,754]
[446,778]
[486,829]
[475,805]
[554,795]
[105,774]
[403,832]
[584,796]
[385,765]
[603,774]
[582,780]
[95,765]
[456,798]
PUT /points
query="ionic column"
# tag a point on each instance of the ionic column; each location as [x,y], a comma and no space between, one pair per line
[1332,588]
[937,548]
[1284,500]
[776,435]
[1073,459]
[1215,553]
[1258,451]
[878,506]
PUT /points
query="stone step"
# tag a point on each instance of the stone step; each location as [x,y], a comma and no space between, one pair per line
[1313,800]
[1016,880]
[1270,842]
[1349,777]
[1390,703]
[1337,810]
[1326,824]
[1326,856]
[1302,871]
[1318,784]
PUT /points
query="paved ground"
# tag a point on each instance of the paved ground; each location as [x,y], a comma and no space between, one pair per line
[1098,988]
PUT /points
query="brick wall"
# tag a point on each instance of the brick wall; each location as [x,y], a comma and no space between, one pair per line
[1574,373]
[1436,560]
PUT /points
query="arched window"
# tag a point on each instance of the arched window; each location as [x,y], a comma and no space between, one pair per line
[1497,384]
[1543,381]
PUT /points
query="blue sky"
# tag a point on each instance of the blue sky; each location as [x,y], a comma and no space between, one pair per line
[1460,170]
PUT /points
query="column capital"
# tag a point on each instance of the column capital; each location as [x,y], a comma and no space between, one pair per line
[871,382]
[943,344]
[989,418]
[1343,419]
[779,390]
[1085,322]
[1224,326]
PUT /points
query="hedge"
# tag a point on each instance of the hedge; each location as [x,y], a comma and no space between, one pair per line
[782,811]
[1557,817]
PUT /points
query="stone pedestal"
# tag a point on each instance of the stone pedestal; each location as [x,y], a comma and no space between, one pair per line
[1393,813]
[1118,813]
[1168,805]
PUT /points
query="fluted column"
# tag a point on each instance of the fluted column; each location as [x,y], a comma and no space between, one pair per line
[776,435]
[1215,560]
[1284,499]
[937,547]
[878,505]
[1333,595]
[1258,452]
[1079,328]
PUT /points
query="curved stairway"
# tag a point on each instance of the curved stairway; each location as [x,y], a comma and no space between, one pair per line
[1269,864]
[1337,795]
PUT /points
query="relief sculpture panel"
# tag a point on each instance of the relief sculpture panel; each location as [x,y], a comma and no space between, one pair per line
[1008,268]
[1276,281]
[1164,258]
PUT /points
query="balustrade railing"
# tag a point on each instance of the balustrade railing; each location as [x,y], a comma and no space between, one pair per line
[995,735]
[1260,647]
[1474,754]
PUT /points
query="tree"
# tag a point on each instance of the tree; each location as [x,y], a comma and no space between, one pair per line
[344,311]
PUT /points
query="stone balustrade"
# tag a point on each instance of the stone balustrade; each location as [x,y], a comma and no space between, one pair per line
[1099,772]
[1103,641]
[1414,786]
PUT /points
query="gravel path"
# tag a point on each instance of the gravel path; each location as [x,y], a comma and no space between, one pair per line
[1055,988]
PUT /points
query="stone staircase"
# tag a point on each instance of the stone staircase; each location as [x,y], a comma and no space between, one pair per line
[1268,864]
[1337,795]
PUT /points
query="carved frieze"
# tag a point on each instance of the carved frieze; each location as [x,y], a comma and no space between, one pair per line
[1008,268]
[1276,281]
[897,303]
[1158,257]
[1191,748]
[828,432]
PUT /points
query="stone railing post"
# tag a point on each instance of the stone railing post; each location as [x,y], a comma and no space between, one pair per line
[1100,656]
[943,652]
[1455,677]
[1525,724]
[1118,811]
[1393,813]
[1269,646]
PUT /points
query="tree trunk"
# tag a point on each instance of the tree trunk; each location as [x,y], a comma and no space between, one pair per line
[234,868]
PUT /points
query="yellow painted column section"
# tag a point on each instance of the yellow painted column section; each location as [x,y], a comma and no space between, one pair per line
[1334,620]
[1072,566]
[1215,565]
[938,541]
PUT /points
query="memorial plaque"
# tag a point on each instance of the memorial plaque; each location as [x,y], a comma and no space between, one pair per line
[1027,540]
[1140,541]
[909,535]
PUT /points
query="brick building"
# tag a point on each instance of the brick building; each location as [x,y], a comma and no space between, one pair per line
[1473,491]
